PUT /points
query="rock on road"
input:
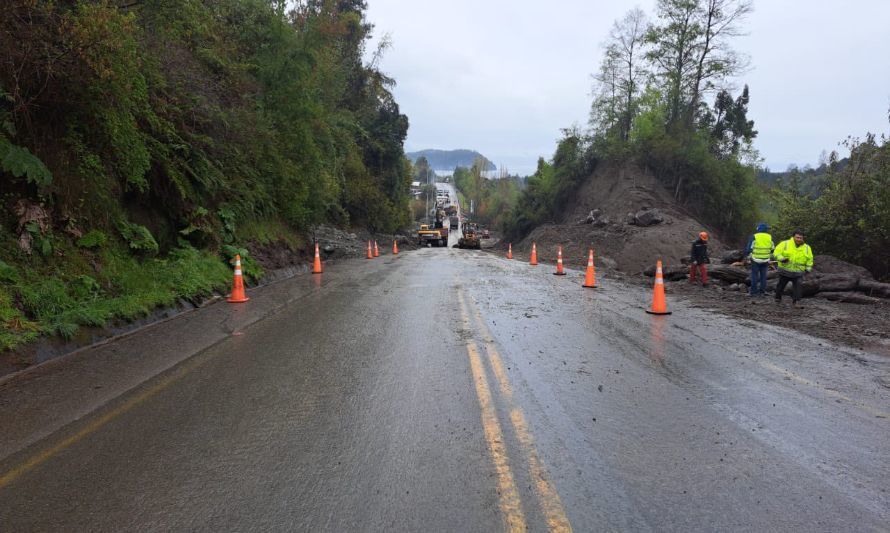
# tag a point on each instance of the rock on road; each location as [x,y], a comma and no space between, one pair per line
[449,390]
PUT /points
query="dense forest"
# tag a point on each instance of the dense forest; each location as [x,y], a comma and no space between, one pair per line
[145,142]
[847,213]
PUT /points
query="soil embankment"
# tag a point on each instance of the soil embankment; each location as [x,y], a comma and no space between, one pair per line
[627,217]
[631,220]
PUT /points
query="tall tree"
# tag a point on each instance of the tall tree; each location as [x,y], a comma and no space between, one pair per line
[673,51]
[690,50]
[719,21]
[622,74]
[729,124]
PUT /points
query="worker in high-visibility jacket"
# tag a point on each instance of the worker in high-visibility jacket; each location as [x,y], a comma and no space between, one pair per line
[759,251]
[795,259]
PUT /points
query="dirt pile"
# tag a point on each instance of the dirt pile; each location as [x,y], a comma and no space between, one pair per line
[627,216]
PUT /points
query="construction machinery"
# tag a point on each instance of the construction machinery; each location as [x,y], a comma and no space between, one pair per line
[470,237]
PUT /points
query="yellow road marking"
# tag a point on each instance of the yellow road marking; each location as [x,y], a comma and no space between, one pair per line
[510,504]
[548,497]
[98,423]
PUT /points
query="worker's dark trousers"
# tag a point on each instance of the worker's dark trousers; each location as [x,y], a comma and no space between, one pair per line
[796,286]
[758,278]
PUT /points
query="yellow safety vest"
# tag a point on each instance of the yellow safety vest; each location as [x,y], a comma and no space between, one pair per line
[762,247]
[800,258]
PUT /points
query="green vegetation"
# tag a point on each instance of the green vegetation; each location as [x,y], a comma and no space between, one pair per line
[649,108]
[56,299]
[492,198]
[849,216]
[141,143]
[550,188]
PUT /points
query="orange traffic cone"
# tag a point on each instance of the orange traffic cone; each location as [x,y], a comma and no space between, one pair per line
[376,251]
[534,259]
[316,265]
[659,305]
[590,276]
[559,269]
[510,251]
[370,251]
[395,247]
[238,295]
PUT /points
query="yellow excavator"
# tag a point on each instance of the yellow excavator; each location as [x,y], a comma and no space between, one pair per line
[470,237]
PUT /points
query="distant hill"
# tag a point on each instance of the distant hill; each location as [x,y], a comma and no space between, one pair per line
[449,159]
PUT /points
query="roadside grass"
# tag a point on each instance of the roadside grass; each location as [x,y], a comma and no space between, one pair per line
[269,231]
[83,287]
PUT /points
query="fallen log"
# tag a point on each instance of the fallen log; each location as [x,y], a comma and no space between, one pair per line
[732,256]
[843,282]
[874,288]
[729,273]
[670,273]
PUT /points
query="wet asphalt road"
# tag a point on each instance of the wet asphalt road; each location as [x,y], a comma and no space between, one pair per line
[451,390]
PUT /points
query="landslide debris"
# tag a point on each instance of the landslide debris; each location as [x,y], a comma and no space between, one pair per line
[627,216]
[631,220]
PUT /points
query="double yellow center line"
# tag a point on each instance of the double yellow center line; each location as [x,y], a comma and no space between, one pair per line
[510,502]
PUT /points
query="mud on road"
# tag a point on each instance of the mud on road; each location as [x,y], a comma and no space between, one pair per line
[860,326]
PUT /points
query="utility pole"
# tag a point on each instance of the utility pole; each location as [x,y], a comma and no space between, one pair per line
[427,197]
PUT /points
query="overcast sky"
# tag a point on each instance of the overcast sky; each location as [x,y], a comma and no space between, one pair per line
[504,76]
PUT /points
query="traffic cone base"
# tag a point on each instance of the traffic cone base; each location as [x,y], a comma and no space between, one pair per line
[316,264]
[590,275]
[659,305]
[238,295]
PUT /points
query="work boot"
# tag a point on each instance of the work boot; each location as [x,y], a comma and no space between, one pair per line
[797,305]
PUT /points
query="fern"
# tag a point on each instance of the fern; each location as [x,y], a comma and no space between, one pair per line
[139,238]
[19,161]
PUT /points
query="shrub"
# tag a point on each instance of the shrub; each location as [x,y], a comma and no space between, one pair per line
[139,238]
[93,239]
